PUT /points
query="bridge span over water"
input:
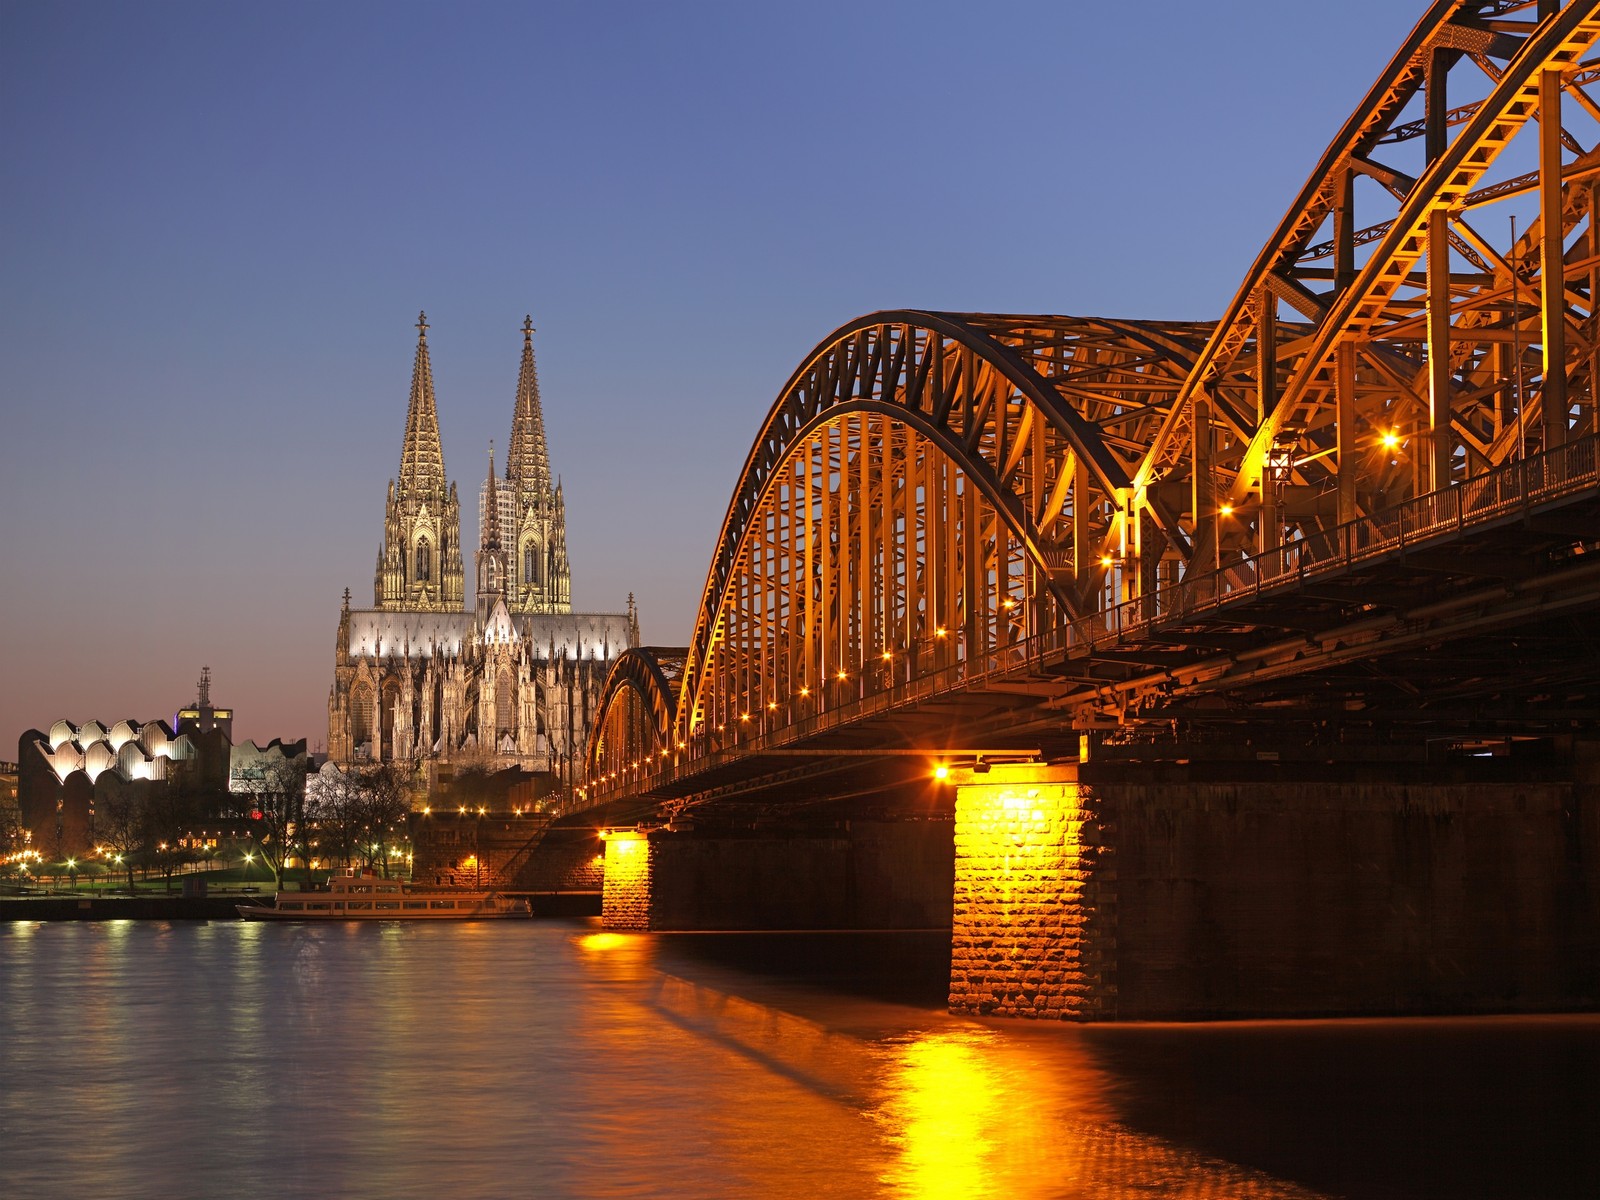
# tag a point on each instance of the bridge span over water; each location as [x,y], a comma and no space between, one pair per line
[1328,566]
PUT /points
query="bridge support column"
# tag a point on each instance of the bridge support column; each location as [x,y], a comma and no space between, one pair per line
[1033,933]
[832,875]
[625,896]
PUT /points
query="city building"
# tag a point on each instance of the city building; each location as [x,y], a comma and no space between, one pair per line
[62,773]
[511,680]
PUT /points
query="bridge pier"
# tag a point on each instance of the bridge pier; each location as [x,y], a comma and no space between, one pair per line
[1189,891]
[843,875]
[1247,884]
[1033,932]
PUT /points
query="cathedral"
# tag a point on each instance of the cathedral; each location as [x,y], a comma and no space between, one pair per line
[513,680]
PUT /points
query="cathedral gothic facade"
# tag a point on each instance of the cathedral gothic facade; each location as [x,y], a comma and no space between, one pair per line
[422,680]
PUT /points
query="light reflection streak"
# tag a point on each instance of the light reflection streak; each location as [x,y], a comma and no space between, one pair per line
[601,943]
[943,1108]
[973,1112]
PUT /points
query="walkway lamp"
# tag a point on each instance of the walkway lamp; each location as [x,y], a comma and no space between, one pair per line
[1223,513]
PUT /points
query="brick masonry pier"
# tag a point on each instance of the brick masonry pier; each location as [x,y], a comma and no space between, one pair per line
[1105,892]
[853,875]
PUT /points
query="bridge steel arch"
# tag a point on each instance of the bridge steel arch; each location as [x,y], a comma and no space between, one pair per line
[926,486]
[1392,339]
[637,711]
[930,486]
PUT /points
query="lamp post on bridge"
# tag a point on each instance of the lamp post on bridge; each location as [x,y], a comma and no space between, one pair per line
[1281,460]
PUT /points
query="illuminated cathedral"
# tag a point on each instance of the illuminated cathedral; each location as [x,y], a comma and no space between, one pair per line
[421,679]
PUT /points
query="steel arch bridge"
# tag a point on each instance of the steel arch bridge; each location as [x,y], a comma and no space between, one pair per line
[944,504]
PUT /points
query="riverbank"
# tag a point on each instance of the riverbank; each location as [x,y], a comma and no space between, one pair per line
[177,907]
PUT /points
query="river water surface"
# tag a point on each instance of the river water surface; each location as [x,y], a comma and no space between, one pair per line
[551,1059]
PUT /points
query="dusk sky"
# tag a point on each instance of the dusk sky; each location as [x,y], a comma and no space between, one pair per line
[220,220]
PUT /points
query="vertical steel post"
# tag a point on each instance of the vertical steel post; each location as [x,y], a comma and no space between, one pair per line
[1345,428]
[1267,528]
[1433,467]
[1553,306]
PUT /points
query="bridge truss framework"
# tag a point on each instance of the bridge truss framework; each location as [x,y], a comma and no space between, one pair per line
[1098,519]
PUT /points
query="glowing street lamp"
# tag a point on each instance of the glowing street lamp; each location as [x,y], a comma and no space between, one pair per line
[1223,513]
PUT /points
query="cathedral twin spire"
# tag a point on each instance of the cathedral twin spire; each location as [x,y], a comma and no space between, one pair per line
[421,458]
[528,462]
[522,545]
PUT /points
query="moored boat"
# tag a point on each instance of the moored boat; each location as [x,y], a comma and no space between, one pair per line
[360,895]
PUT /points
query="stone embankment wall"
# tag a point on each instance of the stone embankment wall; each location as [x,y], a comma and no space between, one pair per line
[125,908]
[472,851]
[566,860]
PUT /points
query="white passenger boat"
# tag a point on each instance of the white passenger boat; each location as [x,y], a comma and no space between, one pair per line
[360,895]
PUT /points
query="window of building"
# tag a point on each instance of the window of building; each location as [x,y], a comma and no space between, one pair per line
[424,561]
[361,716]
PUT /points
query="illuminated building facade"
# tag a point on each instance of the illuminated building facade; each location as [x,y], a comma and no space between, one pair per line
[512,681]
[61,773]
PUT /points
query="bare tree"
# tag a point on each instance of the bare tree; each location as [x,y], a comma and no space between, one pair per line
[171,811]
[384,802]
[13,837]
[334,810]
[278,819]
[360,814]
[120,820]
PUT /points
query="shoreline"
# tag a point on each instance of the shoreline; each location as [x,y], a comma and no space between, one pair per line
[178,907]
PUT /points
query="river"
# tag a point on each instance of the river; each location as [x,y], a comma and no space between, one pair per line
[552,1059]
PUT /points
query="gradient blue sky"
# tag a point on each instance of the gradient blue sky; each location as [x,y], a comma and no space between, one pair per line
[220,220]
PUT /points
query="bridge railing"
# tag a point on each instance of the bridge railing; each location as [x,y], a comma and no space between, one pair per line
[1559,472]
[1563,471]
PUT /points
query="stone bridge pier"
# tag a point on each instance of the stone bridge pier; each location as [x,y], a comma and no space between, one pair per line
[1184,891]
[842,875]
[1112,891]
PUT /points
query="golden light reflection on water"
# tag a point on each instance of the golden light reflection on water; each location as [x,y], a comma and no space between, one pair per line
[600,943]
[974,1112]
[943,1106]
